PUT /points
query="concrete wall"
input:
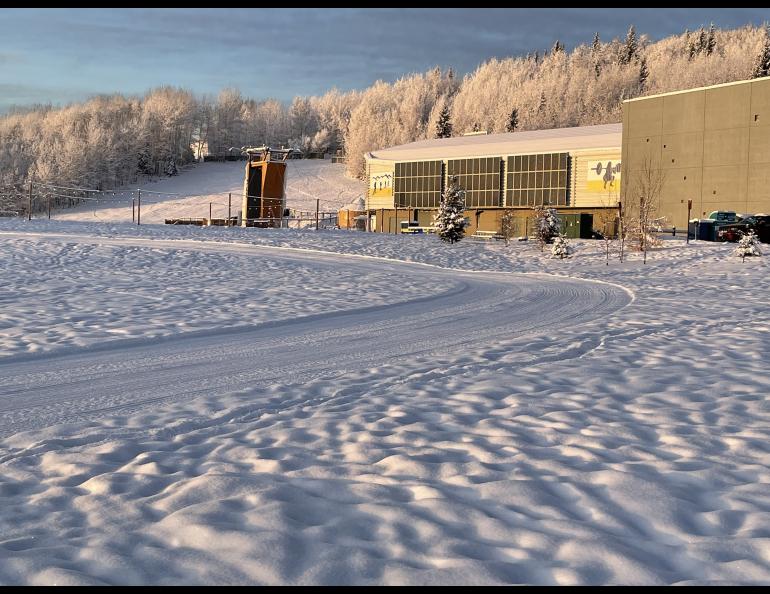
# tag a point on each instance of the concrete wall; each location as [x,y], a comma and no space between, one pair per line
[711,146]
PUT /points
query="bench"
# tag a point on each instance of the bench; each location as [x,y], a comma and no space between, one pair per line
[486,235]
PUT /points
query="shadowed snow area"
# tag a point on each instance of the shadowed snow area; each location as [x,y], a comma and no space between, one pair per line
[471,414]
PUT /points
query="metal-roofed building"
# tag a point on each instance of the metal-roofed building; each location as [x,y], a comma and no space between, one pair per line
[574,169]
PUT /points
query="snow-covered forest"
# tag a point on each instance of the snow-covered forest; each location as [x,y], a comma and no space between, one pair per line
[110,140]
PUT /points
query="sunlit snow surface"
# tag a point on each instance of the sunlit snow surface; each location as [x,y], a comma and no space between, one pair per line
[209,405]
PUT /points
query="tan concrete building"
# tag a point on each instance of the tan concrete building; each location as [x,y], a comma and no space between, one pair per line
[575,169]
[710,145]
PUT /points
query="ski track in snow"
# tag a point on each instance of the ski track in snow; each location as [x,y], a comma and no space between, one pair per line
[491,428]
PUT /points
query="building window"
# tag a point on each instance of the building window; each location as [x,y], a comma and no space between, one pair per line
[418,184]
[480,178]
[533,180]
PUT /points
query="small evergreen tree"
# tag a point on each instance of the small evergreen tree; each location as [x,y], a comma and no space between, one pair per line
[513,121]
[644,74]
[477,127]
[450,220]
[541,104]
[444,125]
[557,47]
[546,224]
[748,245]
[561,248]
[762,65]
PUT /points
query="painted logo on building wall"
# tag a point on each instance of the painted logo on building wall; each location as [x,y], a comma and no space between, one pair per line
[603,177]
[381,185]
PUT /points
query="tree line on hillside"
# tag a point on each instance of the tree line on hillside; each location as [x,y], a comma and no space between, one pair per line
[110,140]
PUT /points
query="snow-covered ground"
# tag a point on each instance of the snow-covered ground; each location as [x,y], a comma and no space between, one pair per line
[338,407]
[189,194]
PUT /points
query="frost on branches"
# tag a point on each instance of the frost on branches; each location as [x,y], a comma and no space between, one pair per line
[450,219]
[748,245]
[547,224]
[561,248]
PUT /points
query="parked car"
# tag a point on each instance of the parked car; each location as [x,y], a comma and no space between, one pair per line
[759,224]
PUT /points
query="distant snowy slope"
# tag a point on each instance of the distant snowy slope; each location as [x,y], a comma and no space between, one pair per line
[190,193]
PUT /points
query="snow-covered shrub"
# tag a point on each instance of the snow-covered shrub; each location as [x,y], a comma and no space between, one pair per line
[748,245]
[450,219]
[561,248]
[546,224]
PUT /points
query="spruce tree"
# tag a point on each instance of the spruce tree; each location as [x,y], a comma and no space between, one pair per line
[762,65]
[630,48]
[711,40]
[444,125]
[171,168]
[596,46]
[450,220]
[557,47]
[513,121]
[547,224]
[644,73]
[702,40]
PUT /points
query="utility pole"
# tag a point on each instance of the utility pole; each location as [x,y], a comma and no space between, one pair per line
[689,210]
[210,213]
[139,208]
[133,210]
[317,207]
[620,227]
[229,206]
[49,208]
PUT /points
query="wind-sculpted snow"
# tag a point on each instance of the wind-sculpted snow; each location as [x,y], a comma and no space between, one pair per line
[503,427]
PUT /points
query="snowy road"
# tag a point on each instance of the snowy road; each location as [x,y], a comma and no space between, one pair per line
[472,309]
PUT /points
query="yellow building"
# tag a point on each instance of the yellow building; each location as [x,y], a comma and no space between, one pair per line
[710,145]
[575,169]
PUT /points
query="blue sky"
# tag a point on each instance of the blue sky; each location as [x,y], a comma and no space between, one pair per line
[64,55]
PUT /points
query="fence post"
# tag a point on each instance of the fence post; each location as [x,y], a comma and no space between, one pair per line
[229,206]
[210,213]
[29,202]
[133,210]
[397,228]
[49,208]
[317,206]
[139,208]
[689,213]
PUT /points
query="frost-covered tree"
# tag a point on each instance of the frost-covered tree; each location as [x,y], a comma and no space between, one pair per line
[444,124]
[507,227]
[171,168]
[630,47]
[711,41]
[561,247]
[748,245]
[513,121]
[547,225]
[450,219]
[644,74]
[762,63]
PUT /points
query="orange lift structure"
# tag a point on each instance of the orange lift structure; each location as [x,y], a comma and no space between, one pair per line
[264,187]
